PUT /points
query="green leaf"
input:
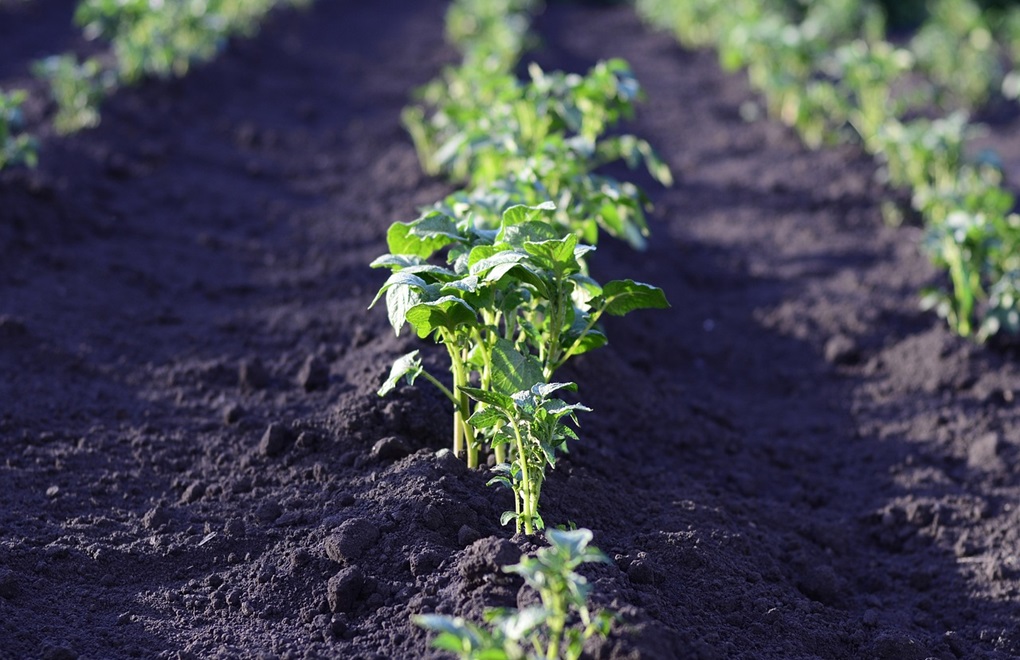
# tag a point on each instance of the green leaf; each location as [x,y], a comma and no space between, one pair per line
[498,259]
[447,313]
[422,237]
[557,255]
[520,213]
[487,417]
[399,300]
[408,365]
[399,279]
[623,296]
[397,261]
[507,517]
[572,541]
[535,232]
[545,389]
[495,399]
[513,371]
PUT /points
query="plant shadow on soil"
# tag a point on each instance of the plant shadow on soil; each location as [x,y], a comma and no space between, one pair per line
[778,464]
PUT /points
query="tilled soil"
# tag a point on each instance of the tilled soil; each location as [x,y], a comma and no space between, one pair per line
[792,462]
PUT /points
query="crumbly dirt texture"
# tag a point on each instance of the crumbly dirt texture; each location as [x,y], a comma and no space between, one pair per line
[792,462]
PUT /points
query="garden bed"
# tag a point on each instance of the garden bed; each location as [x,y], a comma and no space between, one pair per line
[792,462]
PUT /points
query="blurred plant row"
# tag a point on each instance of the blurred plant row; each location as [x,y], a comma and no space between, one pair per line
[140,39]
[828,69]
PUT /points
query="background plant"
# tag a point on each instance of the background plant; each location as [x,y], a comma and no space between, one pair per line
[16,146]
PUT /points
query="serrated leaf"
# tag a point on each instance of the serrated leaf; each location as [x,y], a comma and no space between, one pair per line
[520,213]
[422,237]
[502,258]
[529,231]
[407,365]
[488,397]
[399,279]
[624,296]
[397,261]
[486,418]
[399,299]
[503,481]
[447,313]
[545,389]
[513,371]
[557,255]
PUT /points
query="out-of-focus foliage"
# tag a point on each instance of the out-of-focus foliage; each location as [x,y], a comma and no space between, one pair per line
[16,147]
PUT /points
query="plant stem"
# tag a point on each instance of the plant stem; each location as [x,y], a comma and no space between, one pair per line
[528,509]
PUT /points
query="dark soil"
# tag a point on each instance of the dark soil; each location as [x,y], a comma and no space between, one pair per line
[792,462]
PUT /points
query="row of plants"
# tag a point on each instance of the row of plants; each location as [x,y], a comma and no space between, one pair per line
[498,274]
[141,39]
[828,70]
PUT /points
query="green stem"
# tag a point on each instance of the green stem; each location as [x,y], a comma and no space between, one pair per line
[525,494]
[462,434]
[442,388]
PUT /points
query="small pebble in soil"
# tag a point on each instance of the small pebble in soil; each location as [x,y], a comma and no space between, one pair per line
[351,540]
[252,375]
[52,491]
[268,512]
[274,440]
[842,350]
[467,535]
[156,518]
[314,374]
[232,413]
[983,454]
[389,449]
[59,652]
[193,492]
[343,589]
[425,562]
[486,557]
[234,527]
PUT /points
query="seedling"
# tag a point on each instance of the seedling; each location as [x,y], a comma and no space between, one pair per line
[555,629]
[532,422]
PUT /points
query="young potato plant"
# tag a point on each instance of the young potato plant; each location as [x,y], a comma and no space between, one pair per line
[16,147]
[541,140]
[78,88]
[533,425]
[556,629]
[511,305]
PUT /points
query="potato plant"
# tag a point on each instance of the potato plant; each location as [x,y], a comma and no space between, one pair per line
[16,146]
[555,629]
[511,305]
